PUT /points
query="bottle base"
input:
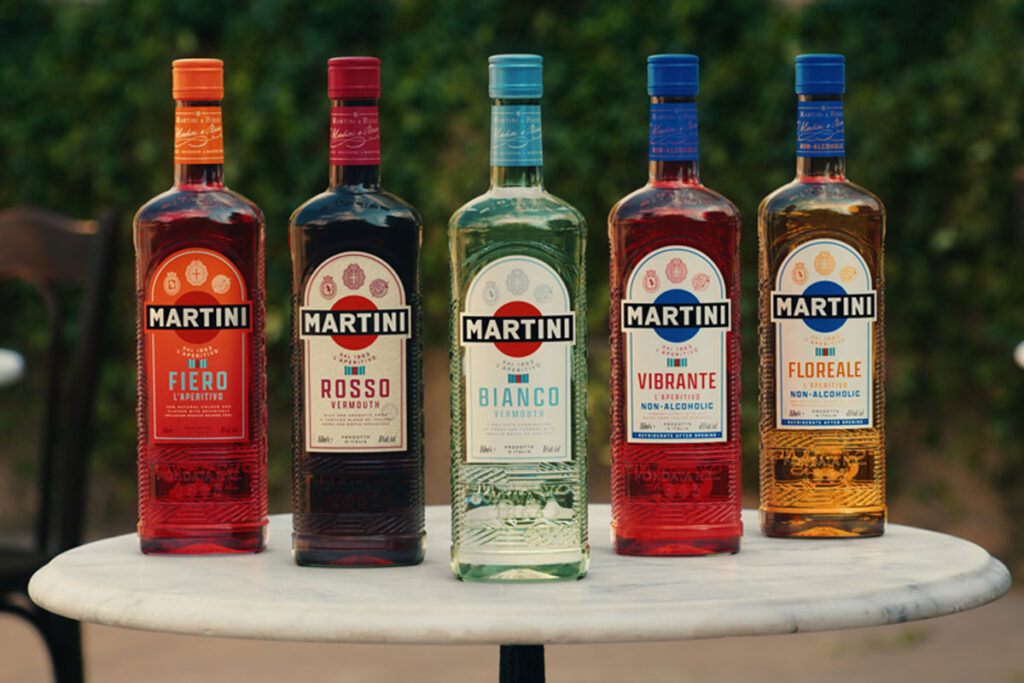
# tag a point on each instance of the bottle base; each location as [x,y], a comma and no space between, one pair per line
[318,550]
[202,539]
[495,567]
[852,524]
[675,547]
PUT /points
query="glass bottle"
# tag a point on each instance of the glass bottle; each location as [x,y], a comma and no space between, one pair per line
[357,430]
[518,357]
[821,284]
[202,445]
[675,356]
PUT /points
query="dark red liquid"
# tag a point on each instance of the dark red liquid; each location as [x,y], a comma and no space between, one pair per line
[358,508]
[219,503]
[677,498]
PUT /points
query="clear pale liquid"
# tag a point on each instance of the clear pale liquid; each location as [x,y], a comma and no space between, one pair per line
[801,505]
[504,533]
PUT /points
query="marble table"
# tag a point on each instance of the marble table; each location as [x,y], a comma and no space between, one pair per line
[771,586]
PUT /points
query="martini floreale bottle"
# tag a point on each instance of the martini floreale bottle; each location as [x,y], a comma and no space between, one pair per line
[357,431]
[821,282]
[518,360]
[675,361]
[202,385]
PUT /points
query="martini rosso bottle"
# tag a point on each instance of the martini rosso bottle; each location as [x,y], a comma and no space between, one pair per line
[821,281]
[675,362]
[518,363]
[357,430]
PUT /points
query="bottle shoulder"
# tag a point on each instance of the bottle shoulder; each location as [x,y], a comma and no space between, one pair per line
[834,196]
[693,201]
[520,205]
[339,205]
[221,205]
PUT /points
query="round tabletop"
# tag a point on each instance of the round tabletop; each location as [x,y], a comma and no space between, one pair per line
[771,586]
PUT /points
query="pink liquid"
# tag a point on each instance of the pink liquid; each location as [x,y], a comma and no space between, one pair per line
[675,498]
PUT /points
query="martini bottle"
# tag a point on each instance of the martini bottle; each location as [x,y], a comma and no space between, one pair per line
[518,360]
[357,431]
[675,362]
[822,279]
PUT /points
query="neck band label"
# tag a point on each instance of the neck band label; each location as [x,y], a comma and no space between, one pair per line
[198,135]
[355,136]
[674,131]
[516,135]
[819,129]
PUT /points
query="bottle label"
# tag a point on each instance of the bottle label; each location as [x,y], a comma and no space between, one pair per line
[355,136]
[675,314]
[516,135]
[674,131]
[197,325]
[823,308]
[819,129]
[354,323]
[198,135]
[518,331]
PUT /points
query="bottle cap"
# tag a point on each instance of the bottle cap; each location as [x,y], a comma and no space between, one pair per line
[674,75]
[353,78]
[516,76]
[820,74]
[197,80]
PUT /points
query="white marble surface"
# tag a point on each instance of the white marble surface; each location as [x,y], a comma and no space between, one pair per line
[12,367]
[771,586]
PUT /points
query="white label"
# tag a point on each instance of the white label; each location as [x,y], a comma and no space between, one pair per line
[354,323]
[675,314]
[518,330]
[824,308]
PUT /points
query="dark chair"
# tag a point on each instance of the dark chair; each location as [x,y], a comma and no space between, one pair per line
[50,251]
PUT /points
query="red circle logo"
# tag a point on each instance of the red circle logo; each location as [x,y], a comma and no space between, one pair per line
[196,298]
[354,342]
[517,309]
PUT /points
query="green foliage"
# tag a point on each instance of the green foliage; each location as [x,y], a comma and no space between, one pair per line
[936,97]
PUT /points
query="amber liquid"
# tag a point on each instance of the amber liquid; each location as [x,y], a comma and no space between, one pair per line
[806,501]
[675,498]
[199,211]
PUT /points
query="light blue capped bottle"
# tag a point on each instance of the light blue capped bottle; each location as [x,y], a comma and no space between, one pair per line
[518,357]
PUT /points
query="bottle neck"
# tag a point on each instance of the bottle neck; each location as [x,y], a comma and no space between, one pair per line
[517,156]
[820,137]
[673,146]
[198,144]
[355,145]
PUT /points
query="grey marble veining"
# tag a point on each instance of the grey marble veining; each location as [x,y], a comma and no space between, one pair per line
[771,586]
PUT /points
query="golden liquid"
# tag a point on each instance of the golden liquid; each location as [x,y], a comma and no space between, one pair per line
[827,482]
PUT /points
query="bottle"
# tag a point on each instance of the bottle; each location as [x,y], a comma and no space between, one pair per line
[821,283]
[518,357]
[675,342]
[357,429]
[202,421]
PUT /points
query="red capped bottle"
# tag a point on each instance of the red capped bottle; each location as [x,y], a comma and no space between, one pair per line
[675,356]
[202,445]
[357,430]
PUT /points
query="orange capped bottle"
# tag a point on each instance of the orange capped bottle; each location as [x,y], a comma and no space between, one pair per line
[202,444]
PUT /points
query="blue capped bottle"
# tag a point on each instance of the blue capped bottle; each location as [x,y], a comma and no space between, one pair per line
[821,283]
[675,345]
[518,357]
